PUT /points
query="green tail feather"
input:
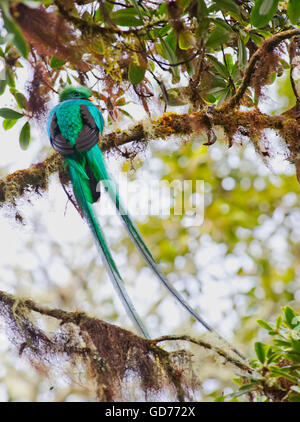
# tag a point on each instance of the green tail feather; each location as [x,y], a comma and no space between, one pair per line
[96,162]
[97,165]
[84,198]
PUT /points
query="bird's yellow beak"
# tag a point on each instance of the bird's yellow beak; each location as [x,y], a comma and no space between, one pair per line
[91,98]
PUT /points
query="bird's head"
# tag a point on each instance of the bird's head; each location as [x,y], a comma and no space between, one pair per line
[71,92]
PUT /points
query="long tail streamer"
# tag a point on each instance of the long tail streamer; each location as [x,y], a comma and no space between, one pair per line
[83,193]
[96,162]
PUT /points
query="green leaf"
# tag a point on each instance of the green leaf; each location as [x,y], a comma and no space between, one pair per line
[25,136]
[98,45]
[219,67]
[136,73]
[162,10]
[216,91]
[283,372]
[3,84]
[209,98]
[279,321]
[107,7]
[260,399]
[8,113]
[56,62]
[219,399]
[245,389]
[164,30]
[125,113]
[98,16]
[13,28]
[170,55]
[152,65]
[292,356]
[295,341]
[217,37]
[126,17]
[21,99]
[293,11]
[273,357]
[166,50]
[296,321]
[222,24]
[171,40]
[262,12]
[242,53]
[8,123]
[225,95]
[228,62]
[218,81]
[289,314]
[229,6]
[264,324]
[137,8]
[260,351]
[284,343]
[186,40]
[10,77]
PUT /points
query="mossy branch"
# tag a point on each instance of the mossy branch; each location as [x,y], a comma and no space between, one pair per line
[106,350]
[268,45]
[208,346]
[35,178]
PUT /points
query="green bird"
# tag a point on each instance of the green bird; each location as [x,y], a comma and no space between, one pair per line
[74,126]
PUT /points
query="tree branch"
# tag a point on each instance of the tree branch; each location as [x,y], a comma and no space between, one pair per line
[268,45]
[35,178]
[104,350]
[208,346]
[88,26]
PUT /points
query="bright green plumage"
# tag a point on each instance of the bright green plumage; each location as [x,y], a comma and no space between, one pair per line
[73,127]
[66,120]
[69,120]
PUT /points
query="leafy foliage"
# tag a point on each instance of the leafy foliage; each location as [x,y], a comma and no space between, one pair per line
[118,45]
[275,372]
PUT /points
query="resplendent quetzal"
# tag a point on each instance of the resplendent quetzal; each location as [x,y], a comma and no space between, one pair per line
[74,126]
